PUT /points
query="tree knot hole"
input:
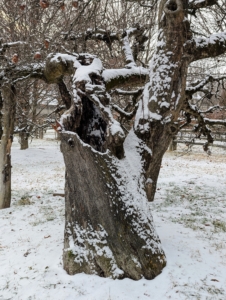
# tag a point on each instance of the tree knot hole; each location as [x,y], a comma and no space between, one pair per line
[171,5]
[71,143]
[173,129]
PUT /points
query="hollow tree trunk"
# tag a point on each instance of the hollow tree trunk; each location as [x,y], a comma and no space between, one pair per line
[109,229]
[5,146]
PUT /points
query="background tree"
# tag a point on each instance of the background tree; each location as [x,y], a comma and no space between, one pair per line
[111,170]
[36,109]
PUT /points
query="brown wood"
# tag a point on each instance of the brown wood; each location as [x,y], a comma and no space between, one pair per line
[98,218]
[9,109]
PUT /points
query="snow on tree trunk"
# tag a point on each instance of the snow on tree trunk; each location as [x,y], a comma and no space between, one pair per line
[109,228]
[156,120]
[5,145]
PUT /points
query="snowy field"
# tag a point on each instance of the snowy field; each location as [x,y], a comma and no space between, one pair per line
[190,218]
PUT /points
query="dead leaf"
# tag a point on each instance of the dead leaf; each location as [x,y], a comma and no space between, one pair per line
[214,280]
[27,253]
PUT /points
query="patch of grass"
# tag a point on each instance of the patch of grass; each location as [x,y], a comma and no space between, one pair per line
[37,222]
[219,225]
[24,200]
[70,254]
[214,293]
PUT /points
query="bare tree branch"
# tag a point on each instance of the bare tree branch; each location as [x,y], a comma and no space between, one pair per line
[125,77]
[123,113]
[129,93]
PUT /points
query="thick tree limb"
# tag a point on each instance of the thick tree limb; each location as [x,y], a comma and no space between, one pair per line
[17,73]
[212,46]
[128,93]
[126,47]
[196,4]
[131,54]
[116,78]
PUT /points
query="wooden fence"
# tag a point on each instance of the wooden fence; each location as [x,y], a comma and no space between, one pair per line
[188,137]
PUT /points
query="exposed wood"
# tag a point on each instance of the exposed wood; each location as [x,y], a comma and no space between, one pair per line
[103,233]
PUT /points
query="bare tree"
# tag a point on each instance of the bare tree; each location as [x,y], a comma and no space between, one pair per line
[111,168]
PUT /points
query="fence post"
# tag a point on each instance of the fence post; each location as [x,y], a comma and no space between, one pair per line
[173,145]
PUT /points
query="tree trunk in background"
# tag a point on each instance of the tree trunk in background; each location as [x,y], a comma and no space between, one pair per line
[1,115]
[9,109]
[23,140]
[109,229]
[41,133]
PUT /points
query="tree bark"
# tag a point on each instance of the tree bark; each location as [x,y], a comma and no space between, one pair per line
[23,140]
[156,121]
[9,108]
[108,228]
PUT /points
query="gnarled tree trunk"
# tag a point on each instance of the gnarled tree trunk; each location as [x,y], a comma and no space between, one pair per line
[109,229]
[106,231]
[8,110]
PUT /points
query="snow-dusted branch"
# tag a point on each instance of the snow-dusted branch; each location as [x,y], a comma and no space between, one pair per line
[196,4]
[131,53]
[5,46]
[151,3]
[214,122]
[200,48]
[127,48]
[20,73]
[212,109]
[115,78]
[198,85]
[108,37]
[130,93]
[123,113]
[202,123]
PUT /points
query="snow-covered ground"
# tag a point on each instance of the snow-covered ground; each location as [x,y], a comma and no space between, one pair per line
[189,213]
